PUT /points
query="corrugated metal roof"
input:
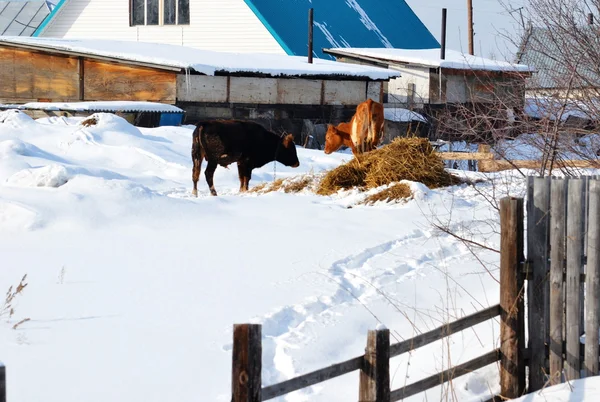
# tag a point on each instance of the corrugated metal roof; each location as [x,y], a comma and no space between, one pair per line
[554,55]
[22,18]
[343,23]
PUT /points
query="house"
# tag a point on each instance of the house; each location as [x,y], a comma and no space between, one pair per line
[566,64]
[23,18]
[277,90]
[254,26]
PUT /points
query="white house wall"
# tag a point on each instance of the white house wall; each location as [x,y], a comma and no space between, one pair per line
[226,25]
[398,88]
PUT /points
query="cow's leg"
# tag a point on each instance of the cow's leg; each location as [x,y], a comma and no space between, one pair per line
[197,157]
[209,173]
[245,173]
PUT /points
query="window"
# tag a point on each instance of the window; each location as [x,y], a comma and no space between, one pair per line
[159,12]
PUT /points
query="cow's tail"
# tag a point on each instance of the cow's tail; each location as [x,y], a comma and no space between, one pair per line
[198,155]
[373,136]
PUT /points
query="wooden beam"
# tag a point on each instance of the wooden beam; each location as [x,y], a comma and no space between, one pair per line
[512,370]
[538,207]
[463,156]
[2,383]
[81,78]
[375,372]
[575,229]
[445,376]
[445,330]
[499,165]
[592,298]
[246,363]
[558,204]
[310,379]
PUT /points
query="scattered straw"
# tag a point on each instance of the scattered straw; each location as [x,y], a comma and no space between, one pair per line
[396,192]
[403,159]
[291,185]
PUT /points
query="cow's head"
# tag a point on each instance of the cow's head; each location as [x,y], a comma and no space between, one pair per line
[286,153]
[333,139]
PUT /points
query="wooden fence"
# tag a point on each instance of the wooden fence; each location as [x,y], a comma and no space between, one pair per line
[374,379]
[563,279]
[484,161]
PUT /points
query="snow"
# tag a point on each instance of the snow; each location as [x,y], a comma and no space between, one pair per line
[554,108]
[582,390]
[431,58]
[133,282]
[99,106]
[203,61]
[403,115]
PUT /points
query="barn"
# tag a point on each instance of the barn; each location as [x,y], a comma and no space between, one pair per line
[249,26]
[281,91]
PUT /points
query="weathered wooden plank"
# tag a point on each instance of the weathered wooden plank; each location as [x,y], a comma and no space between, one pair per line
[499,165]
[298,91]
[310,379]
[31,75]
[445,376]
[246,363]
[117,82]
[592,298]
[476,156]
[201,88]
[575,228]
[2,382]
[558,215]
[344,92]
[375,371]
[538,215]
[445,330]
[512,370]
[253,90]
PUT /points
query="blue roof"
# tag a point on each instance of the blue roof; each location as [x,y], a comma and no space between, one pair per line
[343,23]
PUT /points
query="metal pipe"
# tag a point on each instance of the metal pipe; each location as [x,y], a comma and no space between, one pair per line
[310,35]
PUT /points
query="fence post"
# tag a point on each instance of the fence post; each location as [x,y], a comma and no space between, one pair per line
[575,228]
[538,206]
[592,278]
[247,363]
[512,370]
[558,213]
[2,382]
[375,371]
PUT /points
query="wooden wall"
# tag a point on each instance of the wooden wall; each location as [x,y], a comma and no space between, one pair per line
[273,91]
[27,76]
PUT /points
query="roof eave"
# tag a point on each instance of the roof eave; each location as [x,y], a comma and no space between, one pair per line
[40,29]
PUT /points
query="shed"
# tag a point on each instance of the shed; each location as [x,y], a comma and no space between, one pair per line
[426,78]
[276,89]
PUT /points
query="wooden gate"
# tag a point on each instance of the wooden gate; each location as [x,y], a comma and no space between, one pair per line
[562,271]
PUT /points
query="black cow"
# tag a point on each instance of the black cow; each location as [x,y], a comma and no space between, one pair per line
[222,142]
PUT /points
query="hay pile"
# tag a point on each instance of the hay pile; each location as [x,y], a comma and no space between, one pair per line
[403,159]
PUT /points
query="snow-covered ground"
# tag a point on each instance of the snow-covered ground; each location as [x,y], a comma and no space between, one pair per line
[134,285]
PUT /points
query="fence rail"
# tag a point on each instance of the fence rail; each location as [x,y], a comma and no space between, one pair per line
[373,365]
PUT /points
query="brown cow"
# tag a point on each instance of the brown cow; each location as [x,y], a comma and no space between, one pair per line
[362,134]
[222,142]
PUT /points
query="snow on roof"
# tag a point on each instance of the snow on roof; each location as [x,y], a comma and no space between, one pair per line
[203,61]
[99,106]
[431,58]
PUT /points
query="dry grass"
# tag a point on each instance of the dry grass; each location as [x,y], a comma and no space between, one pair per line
[396,192]
[291,185]
[403,159]
[8,309]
